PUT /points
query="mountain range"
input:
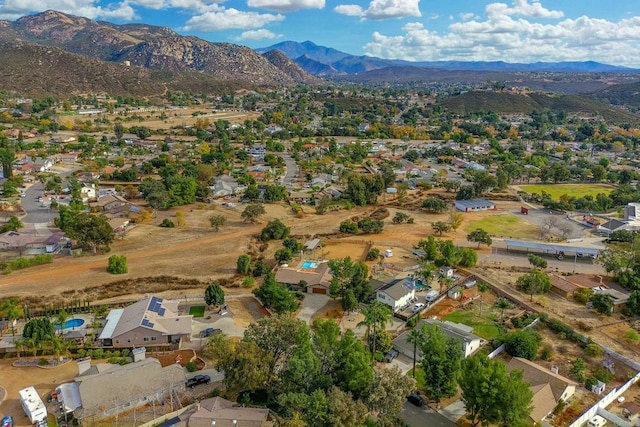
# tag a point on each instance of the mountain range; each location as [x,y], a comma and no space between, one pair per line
[312,58]
[53,53]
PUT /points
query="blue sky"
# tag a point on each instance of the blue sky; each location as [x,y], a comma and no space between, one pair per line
[416,30]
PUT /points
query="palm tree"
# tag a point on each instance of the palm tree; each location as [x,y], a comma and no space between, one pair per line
[12,311]
[30,344]
[415,337]
[61,319]
[58,346]
[502,304]
[18,343]
[376,315]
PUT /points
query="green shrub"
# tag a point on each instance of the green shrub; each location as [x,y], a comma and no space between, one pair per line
[43,362]
[603,375]
[547,353]
[191,366]
[248,282]
[167,223]
[117,264]
[593,350]
[82,353]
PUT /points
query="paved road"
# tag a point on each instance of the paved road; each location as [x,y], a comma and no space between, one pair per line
[36,213]
[423,417]
[291,172]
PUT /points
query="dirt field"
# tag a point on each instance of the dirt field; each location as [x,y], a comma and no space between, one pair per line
[44,380]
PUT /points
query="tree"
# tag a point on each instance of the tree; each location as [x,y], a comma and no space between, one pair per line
[118,130]
[377,315]
[274,230]
[415,337]
[537,261]
[217,221]
[388,395]
[61,319]
[245,364]
[91,232]
[322,205]
[11,309]
[252,212]
[283,255]
[282,337]
[274,295]
[441,357]
[434,204]
[214,294]
[523,344]
[603,303]
[370,225]
[482,381]
[533,283]
[13,224]
[440,227]
[502,304]
[480,236]
[455,219]
[117,264]
[243,264]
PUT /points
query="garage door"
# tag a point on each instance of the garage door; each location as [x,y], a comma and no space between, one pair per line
[319,290]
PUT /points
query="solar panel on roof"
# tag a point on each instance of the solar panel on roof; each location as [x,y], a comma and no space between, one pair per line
[161,312]
[146,323]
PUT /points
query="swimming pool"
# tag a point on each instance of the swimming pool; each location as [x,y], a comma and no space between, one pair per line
[420,285]
[309,265]
[72,323]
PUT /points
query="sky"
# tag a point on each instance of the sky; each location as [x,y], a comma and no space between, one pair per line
[524,31]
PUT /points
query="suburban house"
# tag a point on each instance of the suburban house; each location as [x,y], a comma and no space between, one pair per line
[225,185]
[316,276]
[109,202]
[474,205]
[548,387]
[98,392]
[619,299]
[221,412]
[563,286]
[397,294]
[31,243]
[462,333]
[152,321]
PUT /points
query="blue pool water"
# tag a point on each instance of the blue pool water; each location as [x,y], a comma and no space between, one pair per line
[309,264]
[73,323]
[421,285]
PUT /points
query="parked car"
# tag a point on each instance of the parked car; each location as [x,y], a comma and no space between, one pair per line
[197,380]
[419,306]
[210,331]
[416,399]
[6,421]
[391,355]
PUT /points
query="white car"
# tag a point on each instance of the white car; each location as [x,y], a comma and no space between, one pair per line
[419,306]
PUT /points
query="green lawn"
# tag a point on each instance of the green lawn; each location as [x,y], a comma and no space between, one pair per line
[483,326]
[505,225]
[197,310]
[574,190]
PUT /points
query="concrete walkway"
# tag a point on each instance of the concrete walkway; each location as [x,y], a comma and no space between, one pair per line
[454,412]
[311,304]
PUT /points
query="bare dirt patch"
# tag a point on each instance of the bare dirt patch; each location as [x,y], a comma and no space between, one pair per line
[246,311]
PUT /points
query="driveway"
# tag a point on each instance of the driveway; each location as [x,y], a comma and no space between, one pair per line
[291,170]
[310,305]
[423,417]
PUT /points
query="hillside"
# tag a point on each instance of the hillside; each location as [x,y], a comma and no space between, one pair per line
[148,46]
[56,72]
[507,102]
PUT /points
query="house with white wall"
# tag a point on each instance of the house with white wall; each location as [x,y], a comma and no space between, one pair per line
[397,294]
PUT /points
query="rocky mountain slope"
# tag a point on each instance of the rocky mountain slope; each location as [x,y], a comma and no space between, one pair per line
[146,46]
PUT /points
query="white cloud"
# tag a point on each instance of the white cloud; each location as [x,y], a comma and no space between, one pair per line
[260,34]
[286,5]
[349,9]
[466,16]
[522,8]
[382,9]
[501,36]
[14,9]
[229,19]
[191,5]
